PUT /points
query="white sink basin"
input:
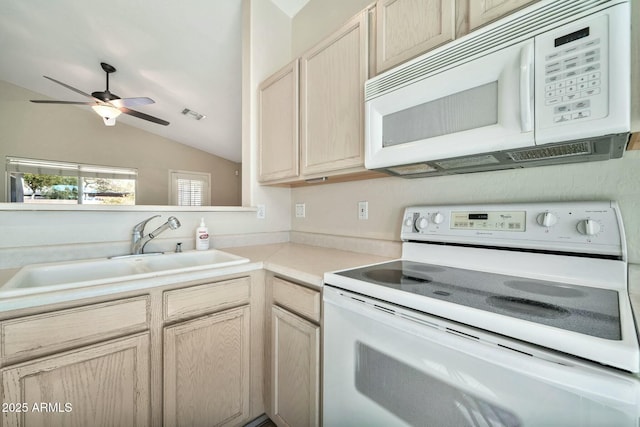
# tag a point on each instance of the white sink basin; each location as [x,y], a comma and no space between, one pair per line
[57,276]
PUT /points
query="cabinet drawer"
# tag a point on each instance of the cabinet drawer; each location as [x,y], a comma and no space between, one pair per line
[300,299]
[32,336]
[201,299]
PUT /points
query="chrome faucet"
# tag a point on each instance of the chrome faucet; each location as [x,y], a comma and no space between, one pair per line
[139,240]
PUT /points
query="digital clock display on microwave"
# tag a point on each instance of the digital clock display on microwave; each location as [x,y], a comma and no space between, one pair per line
[489,221]
[580,34]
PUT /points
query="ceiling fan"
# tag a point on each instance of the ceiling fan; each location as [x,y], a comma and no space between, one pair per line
[108,105]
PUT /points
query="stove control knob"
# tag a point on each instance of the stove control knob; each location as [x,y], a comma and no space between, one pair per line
[547,219]
[408,222]
[422,223]
[588,227]
[437,218]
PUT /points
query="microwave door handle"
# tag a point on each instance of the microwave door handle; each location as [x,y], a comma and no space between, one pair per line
[526,88]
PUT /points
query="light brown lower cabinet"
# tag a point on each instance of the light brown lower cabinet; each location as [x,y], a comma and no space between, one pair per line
[105,384]
[177,356]
[295,370]
[207,370]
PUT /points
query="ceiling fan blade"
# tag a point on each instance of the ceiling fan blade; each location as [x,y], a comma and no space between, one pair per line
[131,102]
[143,116]
[46,101]
[71,88]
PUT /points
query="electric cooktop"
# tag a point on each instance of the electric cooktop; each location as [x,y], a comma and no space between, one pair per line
[582,309]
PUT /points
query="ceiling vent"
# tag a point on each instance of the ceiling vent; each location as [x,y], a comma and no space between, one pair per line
[193,114]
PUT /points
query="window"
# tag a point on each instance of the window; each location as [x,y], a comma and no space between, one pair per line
[45,181]
[189,188]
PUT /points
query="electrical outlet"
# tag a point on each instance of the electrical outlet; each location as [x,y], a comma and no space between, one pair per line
[262,212]
[363,210]
[300,210]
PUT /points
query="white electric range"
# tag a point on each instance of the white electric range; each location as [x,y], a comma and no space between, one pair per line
[489,306]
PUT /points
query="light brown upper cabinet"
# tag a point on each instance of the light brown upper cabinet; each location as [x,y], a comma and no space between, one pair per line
[484,11]
[332,76]
[278,126]
[407,28]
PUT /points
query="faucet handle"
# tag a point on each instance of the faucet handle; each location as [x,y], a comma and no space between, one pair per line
[139,227]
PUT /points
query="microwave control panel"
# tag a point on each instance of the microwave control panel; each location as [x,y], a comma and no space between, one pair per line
[572,70]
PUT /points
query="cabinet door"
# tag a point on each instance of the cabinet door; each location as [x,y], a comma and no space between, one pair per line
[100,385]
[206,370]
[295,370]
[278,125]
[484,11]
[332,101]
[407,28]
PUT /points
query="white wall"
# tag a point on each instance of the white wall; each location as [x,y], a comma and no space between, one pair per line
[266,48]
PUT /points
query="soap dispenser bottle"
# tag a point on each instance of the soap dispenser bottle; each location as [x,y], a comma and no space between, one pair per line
[202,236]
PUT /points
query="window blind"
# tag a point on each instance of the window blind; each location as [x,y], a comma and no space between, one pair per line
[189,188]
[48,167]
[189,192]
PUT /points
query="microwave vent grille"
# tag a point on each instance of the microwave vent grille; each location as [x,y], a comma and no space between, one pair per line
[565,150]
[518,27]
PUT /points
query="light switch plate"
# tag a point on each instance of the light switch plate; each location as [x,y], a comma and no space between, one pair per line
[262,212]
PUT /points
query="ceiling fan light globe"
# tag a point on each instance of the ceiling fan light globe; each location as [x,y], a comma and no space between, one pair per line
[107,113]
[109,121]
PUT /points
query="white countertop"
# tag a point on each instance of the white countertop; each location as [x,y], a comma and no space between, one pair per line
[303,262]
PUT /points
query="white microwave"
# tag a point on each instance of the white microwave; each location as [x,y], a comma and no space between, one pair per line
[549,84]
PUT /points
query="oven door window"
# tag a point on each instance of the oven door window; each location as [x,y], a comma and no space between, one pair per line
[383,379]
[405,369]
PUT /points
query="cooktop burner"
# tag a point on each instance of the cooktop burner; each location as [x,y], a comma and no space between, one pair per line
[587,310]
[528,307]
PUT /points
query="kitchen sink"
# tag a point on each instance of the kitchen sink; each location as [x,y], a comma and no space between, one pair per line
[58,276]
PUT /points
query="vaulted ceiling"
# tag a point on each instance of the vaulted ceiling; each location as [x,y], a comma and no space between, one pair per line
[181,54]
